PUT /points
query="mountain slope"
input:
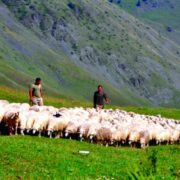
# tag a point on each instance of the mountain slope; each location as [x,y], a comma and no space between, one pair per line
[23,57]
[111,46]
[163,15]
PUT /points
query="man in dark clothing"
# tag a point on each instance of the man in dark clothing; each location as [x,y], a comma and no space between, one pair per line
[99,97]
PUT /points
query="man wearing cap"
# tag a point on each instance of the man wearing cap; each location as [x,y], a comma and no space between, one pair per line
[35,93]
[99,97]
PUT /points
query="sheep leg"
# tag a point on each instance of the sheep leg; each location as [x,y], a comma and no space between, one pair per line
[157,142]
[57,135]
[132,145]
[115,143]
[16,128]
[66,134]
[16,131]
[28,130]
[22,132]
[10,129]
[39,134]
[143,145]
[81,137]
[61,134]
[50,135]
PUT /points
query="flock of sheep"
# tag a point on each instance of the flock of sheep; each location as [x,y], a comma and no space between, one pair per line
[107,127]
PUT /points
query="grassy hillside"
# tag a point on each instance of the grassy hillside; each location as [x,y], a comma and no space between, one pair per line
[159,14]
[24,56]
[75,45]
[163,11]
[33,158]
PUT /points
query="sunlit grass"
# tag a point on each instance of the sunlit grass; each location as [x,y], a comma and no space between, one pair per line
[33,158]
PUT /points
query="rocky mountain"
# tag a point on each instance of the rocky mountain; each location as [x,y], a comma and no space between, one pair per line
[75,45]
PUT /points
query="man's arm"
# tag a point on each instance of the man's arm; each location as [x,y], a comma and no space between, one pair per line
[41,92]
[94,100]
[106,99]
[30,95]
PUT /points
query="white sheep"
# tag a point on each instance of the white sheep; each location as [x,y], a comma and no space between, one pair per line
[72,128]
[30,120]
[83,130]
[57,125]
[104,135]
[23,117]
[105,126]
[24,107]
[2,112]
[144,138]
[94,127]
[11,119]
[3,103]
[120,135]
[175,136]
[41,122]
[36,108]
[163,136]
[134,137]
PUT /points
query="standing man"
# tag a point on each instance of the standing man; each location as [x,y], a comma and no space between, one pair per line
[99,97]
[35,93]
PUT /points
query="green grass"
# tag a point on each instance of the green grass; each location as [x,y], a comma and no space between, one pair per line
[27,157]
[164,112]
[32,157]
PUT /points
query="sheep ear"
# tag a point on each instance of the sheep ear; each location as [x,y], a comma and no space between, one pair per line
[17,113]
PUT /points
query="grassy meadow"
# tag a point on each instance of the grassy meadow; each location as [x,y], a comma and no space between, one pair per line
[42,158]
[29,157]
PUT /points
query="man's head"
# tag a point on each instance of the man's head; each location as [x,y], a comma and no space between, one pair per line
[100,88]
[38,81]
